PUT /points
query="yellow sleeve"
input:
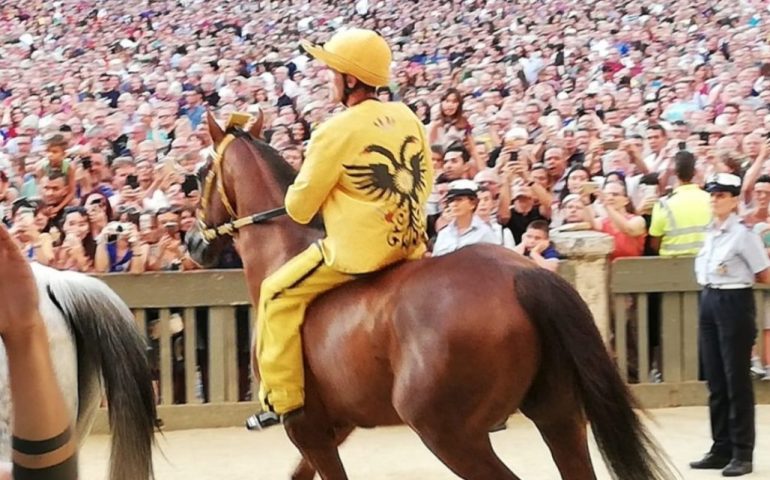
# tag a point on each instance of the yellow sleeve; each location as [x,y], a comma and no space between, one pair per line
[658,221]
[319,173]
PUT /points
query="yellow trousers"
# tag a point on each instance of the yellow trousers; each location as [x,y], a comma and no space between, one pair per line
[283,299]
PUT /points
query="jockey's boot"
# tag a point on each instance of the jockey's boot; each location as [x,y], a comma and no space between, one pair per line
[262,420]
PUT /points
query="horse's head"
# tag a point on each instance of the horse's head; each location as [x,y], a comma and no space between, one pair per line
[219,208]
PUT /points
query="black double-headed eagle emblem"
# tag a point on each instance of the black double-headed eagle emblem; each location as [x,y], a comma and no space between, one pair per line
[401,179]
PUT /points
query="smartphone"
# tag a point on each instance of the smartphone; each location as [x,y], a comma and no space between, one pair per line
[190,184]
[87,163]
[610,144]
[588,188]
[704,137]
[132,181]
[514,157]
[682,145]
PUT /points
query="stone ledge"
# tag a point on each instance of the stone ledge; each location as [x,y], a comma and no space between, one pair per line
[583,244]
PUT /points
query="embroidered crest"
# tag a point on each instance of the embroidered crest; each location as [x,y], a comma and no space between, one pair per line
[402,179]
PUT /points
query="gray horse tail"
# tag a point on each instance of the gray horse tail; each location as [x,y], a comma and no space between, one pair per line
[108,342]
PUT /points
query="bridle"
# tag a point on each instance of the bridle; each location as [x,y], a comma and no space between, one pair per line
[214,178]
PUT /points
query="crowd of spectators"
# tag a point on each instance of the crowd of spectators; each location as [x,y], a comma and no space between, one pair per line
[565,113]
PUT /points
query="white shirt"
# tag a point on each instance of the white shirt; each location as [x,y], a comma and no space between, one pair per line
[503,235]
[450,238]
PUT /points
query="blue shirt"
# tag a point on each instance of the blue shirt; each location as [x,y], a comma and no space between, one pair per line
[450,238]
[116,264]
[732,254]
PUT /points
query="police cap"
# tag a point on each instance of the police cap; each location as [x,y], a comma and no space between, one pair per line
[724,182]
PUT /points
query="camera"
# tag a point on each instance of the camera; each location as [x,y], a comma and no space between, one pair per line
[115,230]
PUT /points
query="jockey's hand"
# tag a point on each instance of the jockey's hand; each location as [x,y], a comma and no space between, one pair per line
[18,298]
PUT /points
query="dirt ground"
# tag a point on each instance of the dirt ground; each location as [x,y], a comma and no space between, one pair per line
[397,453]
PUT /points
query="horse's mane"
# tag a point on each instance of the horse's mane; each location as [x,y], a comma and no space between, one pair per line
[282,171]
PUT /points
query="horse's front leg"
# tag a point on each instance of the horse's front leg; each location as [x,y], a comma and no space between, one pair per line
[317,440]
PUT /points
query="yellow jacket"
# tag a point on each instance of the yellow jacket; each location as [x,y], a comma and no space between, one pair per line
[368,171]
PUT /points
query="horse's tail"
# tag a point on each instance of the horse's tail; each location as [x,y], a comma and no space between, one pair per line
[108,343]
[570,339]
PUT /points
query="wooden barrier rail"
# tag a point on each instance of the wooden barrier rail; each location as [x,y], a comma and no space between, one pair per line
[639,287]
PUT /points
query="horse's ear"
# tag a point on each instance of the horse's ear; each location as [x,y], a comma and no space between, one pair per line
[255,130]
[215,131]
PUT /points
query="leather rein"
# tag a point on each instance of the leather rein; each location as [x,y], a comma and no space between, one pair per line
[214,178]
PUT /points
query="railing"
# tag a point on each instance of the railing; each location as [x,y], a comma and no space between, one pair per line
[663,290]
[203,372]
[211,303]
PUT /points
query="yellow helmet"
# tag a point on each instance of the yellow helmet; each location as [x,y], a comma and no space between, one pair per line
[357,52]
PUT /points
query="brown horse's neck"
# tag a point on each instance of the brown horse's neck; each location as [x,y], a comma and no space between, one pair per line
[263,247]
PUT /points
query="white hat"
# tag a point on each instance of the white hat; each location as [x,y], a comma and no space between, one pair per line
[462,188]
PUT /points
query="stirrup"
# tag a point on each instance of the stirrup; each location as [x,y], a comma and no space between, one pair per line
[262,420]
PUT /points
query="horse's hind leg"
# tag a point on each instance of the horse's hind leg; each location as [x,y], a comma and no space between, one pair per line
[562,424]
[470,456]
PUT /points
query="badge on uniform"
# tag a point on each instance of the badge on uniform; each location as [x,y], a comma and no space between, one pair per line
[722,269]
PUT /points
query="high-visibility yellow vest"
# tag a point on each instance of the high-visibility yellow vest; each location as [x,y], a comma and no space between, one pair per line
[681,220]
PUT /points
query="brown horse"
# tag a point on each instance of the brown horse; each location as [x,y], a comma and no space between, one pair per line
[450,346]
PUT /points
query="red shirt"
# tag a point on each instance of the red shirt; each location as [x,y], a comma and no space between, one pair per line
[625,245]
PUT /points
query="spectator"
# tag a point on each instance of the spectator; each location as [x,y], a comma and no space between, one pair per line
[34,244]
[627,229]
[78,247]
[99,212]
[169,254]
[456,162]
[293,156]
[536,245]
[523,211]
[760,212]
[449,124]
[58,166]
[118,249]
[465,227]
[485,210]
[679,222]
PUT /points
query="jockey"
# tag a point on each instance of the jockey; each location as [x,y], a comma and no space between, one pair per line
[368,173]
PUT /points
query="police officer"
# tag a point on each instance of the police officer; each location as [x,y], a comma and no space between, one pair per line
[731,260]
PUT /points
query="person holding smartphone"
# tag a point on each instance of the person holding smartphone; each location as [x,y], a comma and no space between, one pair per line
[35,245]
[78,247]
[118,249]
[169,253]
